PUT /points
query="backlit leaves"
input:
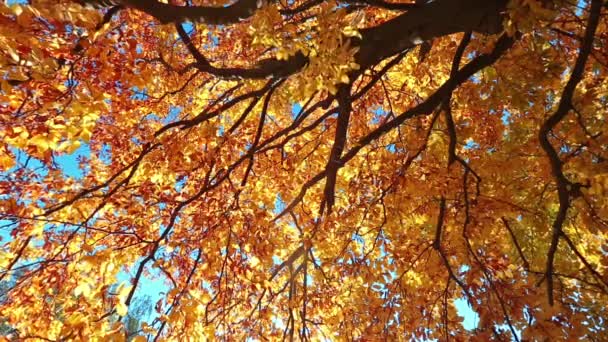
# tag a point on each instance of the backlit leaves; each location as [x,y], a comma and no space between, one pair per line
[189,161]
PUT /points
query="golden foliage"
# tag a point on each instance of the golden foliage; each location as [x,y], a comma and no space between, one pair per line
[464,164]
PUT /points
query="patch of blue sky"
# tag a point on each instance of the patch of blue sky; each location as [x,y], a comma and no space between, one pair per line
[580,5]
[70,82]
[379,114]
[471,144]
[506,117]
[173,114]
[105,154]
[464,309]
[152,116]
[38,169]
[221,130]
[279,204]
[296,110]
[139,93]
[470,317]
[476,78]
[276,260]
[6,228]
[25,160]
[214,39]
[69,164]
[188,27]
[180,184]
[391,148]
[137,141]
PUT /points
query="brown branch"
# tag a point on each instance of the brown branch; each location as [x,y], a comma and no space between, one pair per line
[108,16]
[502,45]
[446,104]
[168,13]
[16,258]
[258,135]
[585,262]
[395,6]
[419,24]
[334,164]
[437,246]
[207,114]
[516,243]
[452,156]
[265,68]
[564,186]
[423,23]
[183,35]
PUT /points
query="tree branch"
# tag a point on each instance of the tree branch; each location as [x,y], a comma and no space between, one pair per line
[334,164]
[167,13]
[564,186]
[419,24]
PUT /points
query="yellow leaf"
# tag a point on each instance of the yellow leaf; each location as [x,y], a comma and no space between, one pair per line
[254,261]
[123,292]
[210,330]
[83,289]
[350,31]
[86,134]
[6,87]
[37,229]
[41,142]
[72,147]
[17,9]
[121,309]
[6,162]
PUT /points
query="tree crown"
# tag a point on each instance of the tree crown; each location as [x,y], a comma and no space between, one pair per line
[311,169]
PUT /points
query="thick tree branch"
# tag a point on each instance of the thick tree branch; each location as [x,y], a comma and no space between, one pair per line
[447,105]
[167,13]
[265,68]
[334,163]
[436,19]
[421,23]
[564,186]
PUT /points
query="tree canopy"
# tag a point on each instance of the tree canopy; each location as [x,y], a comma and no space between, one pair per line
[304,169]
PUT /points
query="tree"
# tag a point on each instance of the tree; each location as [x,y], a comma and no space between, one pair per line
[140,311]
[5,286]
[306,169]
